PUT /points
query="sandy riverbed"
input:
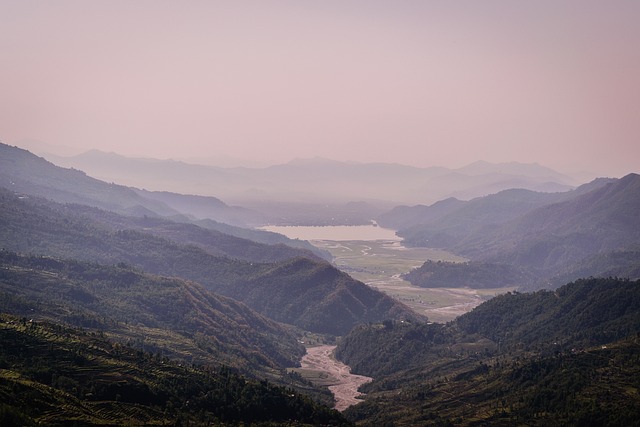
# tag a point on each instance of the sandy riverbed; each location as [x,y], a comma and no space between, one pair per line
[345,389]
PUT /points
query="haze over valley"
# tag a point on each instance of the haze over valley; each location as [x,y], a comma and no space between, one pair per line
[319,214]
[446,259]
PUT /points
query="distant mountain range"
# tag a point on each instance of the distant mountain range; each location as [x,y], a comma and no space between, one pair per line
[319,180]
[22,171]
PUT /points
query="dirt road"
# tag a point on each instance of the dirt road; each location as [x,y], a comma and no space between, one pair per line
[345,387]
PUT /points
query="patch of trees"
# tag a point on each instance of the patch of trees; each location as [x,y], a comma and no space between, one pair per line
[476,275]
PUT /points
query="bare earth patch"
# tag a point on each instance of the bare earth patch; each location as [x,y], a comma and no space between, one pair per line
[344,384]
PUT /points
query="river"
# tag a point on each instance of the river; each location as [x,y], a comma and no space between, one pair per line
[344,384]
[376,256]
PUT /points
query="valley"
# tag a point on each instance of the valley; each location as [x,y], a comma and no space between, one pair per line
[376,257]
[150,279]
[338,214]
[320,367]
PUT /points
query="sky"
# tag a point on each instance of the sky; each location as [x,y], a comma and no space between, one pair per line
[422,83]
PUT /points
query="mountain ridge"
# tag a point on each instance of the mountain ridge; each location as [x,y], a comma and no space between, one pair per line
[42,227]
[360,181]
[548,234]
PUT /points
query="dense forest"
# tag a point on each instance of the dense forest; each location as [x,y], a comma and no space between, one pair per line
[560,357]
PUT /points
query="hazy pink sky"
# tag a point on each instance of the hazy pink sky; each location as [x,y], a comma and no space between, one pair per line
[416,82]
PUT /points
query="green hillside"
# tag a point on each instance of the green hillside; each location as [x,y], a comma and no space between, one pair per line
[170,316]
[54,375]
[211,240]
[284,291]
[596,386]
[544,358]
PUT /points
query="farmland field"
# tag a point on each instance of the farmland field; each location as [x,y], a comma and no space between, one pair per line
[380,264]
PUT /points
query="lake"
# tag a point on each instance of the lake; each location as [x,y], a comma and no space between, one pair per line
[336,233]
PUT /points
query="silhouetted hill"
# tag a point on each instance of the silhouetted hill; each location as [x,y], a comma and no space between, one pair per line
[476,275]
[474,217]
[454,219]
[206,207]
[556,235]
[37,226]
[284,291]
[548,234]
[26,173]
[513,168]
[564,357]
[406,216]
[55,375]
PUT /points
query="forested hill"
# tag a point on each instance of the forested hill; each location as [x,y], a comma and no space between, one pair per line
[168,316]
[284,291]
[550,237]
[51,374]
[544,358]
[556,237]
[475,275]
[38,226]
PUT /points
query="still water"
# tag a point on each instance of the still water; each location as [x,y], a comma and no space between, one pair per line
[335,232]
